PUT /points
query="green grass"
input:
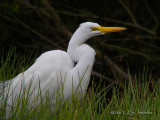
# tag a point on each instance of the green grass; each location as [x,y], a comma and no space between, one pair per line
[139,100]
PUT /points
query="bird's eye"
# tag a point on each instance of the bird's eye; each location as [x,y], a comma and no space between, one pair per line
[94,28]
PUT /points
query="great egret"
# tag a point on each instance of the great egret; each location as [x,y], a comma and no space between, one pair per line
[55,69]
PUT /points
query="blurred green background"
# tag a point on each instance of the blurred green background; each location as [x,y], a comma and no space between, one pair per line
[33,26]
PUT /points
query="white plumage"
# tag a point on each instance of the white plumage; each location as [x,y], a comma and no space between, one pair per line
[54,70]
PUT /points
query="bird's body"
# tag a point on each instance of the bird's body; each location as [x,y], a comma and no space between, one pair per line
[54,70]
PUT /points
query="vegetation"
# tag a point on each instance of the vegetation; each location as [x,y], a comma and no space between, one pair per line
[127,63]
[132,100]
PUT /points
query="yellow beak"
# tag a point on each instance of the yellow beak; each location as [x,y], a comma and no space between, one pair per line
[108,29]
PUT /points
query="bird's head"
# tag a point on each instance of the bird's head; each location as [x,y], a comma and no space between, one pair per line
[91,29]
[83,33]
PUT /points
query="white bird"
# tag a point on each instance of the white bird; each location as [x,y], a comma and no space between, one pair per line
[54,71]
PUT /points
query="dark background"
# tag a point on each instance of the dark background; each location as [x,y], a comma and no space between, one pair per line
[34,27]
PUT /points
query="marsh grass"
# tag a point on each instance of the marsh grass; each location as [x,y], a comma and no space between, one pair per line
[136,100]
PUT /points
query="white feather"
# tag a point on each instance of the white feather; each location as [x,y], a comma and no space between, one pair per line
[55,67]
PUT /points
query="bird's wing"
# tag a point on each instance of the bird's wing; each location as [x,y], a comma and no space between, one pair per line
[49,68]
[2,85]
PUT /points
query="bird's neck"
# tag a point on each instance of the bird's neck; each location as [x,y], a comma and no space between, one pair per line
[84,55]
[76,41]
